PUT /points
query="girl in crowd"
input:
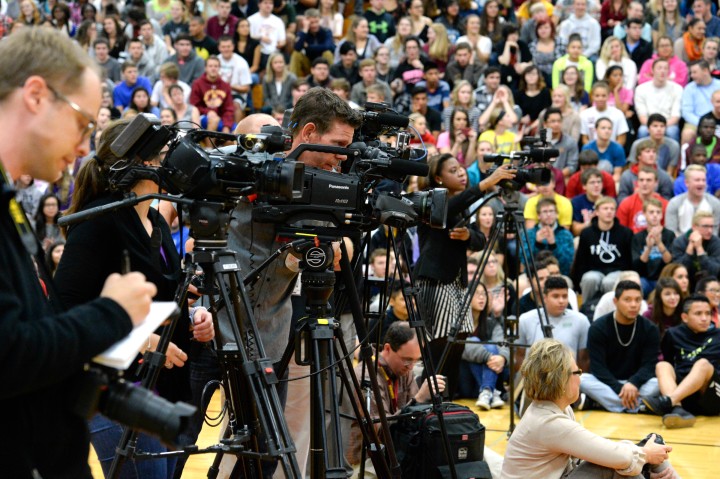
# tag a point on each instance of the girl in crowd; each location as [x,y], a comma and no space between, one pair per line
[491,21]
[61,19]
[574,59]
[532,98]
[331,19]
[63,188]
[552,382]
[248,48]
[438,47]
[689,47]
[442,280]
[679,273]
[579,97]
[53,255]
[483,364]
[277,83]
[485,221]
[459,140]
[560,97]
[669,22]
[168,117]
[452,22]
[513,56]
[30,14]
[142,234]
[499,133]
[547,48]
[46,218]
[396,44]
[159,10]
[613,52]
[188,115]
[665,308]
[140,102]
[502,99]
[612,13]
[420,23]
[382,64]
[710,55]
[678,68]
[462,96]
[113,32]
[359,35]
[619,96]
[86,35]
[482,45]
[419,122]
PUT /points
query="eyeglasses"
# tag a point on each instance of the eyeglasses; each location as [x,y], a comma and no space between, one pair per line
[706,226]
[577,373]
[90,126]
[713,291]
[409,362]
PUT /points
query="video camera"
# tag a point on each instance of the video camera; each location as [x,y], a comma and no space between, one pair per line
[286,190]
[537,151]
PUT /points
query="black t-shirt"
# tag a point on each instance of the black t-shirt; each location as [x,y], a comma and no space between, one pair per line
[205,47]
[681,347]
[434,119]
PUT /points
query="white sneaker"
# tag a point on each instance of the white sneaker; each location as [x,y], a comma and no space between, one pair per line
[496,402]
[484,400]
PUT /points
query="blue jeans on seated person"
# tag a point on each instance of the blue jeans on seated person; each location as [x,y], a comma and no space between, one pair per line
[105,436]
[608,399]
[475,377]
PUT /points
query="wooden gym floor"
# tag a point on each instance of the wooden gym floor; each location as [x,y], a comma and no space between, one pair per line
[695,455]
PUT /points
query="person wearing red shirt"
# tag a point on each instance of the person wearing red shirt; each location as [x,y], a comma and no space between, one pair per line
[630,212]
[589,159]
[213,97]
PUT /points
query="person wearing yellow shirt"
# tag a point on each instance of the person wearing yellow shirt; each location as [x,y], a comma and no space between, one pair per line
[499,134]
[564,206]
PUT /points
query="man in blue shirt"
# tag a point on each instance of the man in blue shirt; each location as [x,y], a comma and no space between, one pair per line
[697,98]
[438,90]
[131,80]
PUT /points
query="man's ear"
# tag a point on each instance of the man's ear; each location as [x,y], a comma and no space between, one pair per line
[307,131]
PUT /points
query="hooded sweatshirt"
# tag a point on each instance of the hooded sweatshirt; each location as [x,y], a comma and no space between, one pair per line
[214,96]
[603,251]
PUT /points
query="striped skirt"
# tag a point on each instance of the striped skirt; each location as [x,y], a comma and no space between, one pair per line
[440,306]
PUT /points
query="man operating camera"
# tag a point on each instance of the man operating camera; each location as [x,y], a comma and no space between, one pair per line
[49,96]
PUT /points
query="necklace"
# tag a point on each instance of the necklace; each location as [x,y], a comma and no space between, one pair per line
[617,333]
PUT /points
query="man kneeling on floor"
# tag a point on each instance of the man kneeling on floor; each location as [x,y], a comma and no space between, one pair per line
[688,376]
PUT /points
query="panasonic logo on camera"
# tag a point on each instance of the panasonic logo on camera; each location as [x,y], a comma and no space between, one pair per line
[338,187]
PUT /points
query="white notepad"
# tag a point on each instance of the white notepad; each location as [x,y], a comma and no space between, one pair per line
[121,354]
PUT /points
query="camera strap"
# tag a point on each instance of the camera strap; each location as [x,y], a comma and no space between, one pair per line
[17,215]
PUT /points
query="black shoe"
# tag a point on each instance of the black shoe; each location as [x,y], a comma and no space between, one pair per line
[678,418]
[586,403]
[659,405]
[658,439]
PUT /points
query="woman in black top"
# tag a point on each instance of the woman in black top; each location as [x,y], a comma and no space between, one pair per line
[247,47]
[95,249]
[532,97]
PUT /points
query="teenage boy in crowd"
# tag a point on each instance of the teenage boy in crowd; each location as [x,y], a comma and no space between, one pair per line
[688,377]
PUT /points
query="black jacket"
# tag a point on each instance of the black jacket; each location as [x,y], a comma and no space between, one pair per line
[442,258]
[42,352]
[94,251]
[641,53]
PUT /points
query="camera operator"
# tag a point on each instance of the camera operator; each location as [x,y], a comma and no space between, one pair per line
[319,117]
[47,111]
[143,235]
[441,268]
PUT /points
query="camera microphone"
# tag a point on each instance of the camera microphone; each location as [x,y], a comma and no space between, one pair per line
[408,167]
[388,118]
[536,155]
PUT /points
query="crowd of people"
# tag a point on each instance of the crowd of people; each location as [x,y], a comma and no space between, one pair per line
[624,230]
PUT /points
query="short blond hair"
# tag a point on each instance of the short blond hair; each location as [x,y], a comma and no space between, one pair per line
[546,370]
[700,215]
[46,53]
[605,200]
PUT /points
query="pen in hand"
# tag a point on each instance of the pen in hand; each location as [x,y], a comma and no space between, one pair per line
[125,265]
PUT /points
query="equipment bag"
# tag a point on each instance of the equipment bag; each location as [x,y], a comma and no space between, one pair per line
[420,448]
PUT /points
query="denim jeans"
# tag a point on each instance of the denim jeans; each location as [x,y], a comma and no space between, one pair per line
[105,436]
[608,399]
[475,377]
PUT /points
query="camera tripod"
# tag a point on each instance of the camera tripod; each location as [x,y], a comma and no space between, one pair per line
[248,377]
[508,222]
[320,335]
[395,242]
